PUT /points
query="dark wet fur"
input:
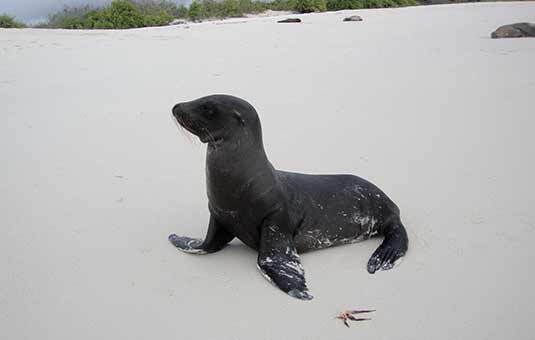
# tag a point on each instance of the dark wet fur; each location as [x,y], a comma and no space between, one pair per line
[280,213]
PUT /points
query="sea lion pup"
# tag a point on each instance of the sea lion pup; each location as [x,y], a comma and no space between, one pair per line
[279,213]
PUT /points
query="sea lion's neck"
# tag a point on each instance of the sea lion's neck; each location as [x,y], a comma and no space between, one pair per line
[234,172]
[235,160]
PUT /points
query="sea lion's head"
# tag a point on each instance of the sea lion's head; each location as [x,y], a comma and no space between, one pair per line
[219,119]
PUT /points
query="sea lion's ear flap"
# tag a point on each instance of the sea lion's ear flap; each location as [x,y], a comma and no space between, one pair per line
[238,116]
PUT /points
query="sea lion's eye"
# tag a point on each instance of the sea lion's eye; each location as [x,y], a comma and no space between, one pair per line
[210,111]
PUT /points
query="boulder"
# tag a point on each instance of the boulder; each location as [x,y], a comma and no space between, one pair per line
[353,18]
[289,20]
[518,30]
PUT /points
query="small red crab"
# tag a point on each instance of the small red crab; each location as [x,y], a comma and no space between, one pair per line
[348,315]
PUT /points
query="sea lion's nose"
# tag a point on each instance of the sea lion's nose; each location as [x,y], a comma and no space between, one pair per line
[177,109]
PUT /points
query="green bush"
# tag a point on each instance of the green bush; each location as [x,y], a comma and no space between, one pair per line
[282,5]
[249,6]
[204,9]
[304,6]
[7,21]
[335,5]
[307,6]
[181,12]
[208,8]
[121,14]
[69,17]
[195,11]
[161,18]
[155,6]
[229,9]
[98,19]
[124,14]
[160,11]
[321,5]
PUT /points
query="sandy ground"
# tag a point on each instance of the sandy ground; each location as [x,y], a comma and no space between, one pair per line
[418,100]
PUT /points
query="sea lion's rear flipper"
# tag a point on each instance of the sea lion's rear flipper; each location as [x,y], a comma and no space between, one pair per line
[279,262]
[393,247]
[216,239]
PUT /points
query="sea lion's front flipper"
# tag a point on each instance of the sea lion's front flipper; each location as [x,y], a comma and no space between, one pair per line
[216,239]
[279,262]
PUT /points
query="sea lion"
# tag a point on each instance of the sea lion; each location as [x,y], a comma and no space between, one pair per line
[278,213]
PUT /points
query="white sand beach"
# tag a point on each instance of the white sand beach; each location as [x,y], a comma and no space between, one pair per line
[419,100]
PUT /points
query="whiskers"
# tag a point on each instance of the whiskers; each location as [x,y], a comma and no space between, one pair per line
[196,128]
[182,130]
[210,137]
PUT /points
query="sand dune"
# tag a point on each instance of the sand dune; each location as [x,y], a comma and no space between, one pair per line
[418,100]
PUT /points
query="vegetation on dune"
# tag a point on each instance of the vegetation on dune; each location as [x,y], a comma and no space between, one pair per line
[336,5]
[7,21]
[204,9]
[308,6]
[121,14]
[281,5]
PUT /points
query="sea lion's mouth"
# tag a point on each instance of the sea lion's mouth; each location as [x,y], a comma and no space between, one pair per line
[191,126]
[208,137]
[190,129]
[205,136]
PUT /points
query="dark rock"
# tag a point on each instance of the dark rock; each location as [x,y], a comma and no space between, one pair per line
[353,18]
[290,20]
[518,30]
